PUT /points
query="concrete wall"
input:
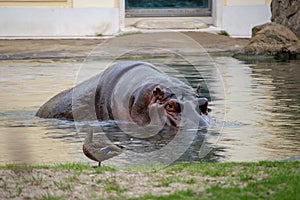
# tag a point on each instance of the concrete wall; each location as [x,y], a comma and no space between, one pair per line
[51,22]
[59,3]
[94,3]
[107,17]
[238,17]
[36,3]
[238,21]
[217,15]
[245,2]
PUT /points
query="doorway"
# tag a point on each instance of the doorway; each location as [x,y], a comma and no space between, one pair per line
[167,8]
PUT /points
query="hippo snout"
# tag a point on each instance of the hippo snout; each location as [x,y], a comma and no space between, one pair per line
[195,113]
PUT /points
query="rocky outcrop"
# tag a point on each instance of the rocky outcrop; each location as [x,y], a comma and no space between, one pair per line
[281,37]
[287,13]
[272,39]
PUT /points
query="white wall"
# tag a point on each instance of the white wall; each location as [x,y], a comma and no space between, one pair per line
[93,3]
[245,2]
[44,22]
[238,21]
[238,17]
[217,12]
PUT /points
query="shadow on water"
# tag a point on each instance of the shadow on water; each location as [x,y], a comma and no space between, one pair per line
[262,113]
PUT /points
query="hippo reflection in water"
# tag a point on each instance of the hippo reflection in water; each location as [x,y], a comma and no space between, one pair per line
[131,91]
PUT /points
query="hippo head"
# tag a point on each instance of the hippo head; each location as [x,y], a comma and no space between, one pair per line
[156,104]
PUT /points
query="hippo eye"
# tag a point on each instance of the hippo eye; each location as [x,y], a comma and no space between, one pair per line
[169,106]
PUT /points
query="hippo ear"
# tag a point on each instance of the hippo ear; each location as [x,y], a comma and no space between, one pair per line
[158,93]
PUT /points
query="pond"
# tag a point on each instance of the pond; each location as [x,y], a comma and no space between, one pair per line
[262,119]
[254,106]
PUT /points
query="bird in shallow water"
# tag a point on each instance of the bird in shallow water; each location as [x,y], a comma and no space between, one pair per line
[97,150]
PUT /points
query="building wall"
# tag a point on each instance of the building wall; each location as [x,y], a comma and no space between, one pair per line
[36,3]
[94,3]
[91,17]
[59,3]
[238,17]
[244,2]
[57,18]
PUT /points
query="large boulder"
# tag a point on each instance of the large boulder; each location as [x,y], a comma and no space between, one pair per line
[287,13]
[272,39]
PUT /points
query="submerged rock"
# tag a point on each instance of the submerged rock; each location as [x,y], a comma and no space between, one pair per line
[272,39]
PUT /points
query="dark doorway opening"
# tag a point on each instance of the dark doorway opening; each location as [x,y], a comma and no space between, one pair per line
[167,8]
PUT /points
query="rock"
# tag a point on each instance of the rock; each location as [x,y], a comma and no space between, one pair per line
[293,158]
[287,13]
[272,39]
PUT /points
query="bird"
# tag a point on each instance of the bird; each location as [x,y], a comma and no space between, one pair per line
[97,150]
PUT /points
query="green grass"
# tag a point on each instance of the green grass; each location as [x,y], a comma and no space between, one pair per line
[223,33]
[129,33]
[154,168]
[68,166]
[23,168]
[19,191]
[51,197]
[251,180]
[99,34]
[72,166]
[34,181]
[73,178]
[166,182]
[62,186]
[281,180]
[101,170]
[116,188]
[281,184]
[169,180]
[191,181]
[184,194]
[210,169]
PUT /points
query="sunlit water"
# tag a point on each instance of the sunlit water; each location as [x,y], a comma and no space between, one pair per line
[262,120]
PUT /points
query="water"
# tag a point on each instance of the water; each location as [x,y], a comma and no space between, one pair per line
[262,119]
[263,103]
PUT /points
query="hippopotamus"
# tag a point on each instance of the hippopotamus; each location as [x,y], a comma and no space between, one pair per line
[132,91]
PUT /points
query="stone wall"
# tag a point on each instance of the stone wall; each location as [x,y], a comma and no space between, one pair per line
[287,13]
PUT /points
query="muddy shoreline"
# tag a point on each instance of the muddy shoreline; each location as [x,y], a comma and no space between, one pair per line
[24,49]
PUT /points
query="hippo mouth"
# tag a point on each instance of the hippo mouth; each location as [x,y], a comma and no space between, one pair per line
[173,120]
[161,106]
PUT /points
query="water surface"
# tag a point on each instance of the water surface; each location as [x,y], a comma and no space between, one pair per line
[262,120]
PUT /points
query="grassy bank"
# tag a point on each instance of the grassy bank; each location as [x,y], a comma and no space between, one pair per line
[262,180]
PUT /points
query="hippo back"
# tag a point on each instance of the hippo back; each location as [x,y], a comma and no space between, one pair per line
[106,96]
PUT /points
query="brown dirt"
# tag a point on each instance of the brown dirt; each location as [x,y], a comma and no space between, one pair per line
[79,48]
[218,43]
[46,48]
